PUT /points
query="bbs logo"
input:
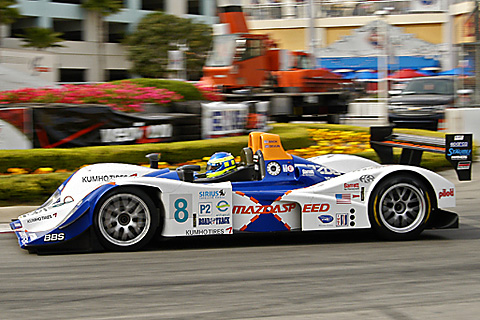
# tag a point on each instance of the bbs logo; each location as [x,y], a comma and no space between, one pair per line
[367,178]
[54,237]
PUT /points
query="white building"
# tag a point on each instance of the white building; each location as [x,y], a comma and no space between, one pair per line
[444,23]
[77,60]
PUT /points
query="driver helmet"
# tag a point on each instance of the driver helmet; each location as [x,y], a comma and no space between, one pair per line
[219,164]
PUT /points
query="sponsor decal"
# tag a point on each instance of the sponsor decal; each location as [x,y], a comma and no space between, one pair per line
[105,178]
[205,208]
[367,178]
[446,193]
[136,133]
[321,169]
[324,170]
[458,144]
[463,165]
[459,152]
[351,186]
[265,209]
[68,199]
[217,194]
[308,173]
[213,221]
[342,219]
[223,206]
[343,198]
[273,168]
[459,157]
[315,207]
[268,144]
[17,224]
[204,232]
[362,194]
[288,168]
[325,218]
[42,218]
[54,237]
[458,137]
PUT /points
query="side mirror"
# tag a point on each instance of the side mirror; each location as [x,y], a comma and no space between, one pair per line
[154,158]
[185,173]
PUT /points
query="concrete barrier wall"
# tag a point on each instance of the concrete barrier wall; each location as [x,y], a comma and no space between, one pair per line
[367,109]
[464,120]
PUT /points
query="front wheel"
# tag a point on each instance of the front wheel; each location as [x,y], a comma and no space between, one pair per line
[125,219]
[399,208]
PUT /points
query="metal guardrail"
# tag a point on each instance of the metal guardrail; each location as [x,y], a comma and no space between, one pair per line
[300,9]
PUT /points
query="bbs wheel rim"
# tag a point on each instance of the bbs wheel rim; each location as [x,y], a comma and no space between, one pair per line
[124,219]
[402,208]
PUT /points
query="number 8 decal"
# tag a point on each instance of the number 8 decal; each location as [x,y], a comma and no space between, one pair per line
[181,213]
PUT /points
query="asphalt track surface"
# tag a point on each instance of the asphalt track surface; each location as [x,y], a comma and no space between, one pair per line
[347,275]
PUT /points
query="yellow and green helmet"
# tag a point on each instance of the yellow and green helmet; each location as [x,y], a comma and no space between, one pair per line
[219,164]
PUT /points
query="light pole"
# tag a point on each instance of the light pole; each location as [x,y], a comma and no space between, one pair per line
[382,60]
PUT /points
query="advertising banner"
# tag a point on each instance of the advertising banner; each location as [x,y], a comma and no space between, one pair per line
[220,119]
[16,128]
[93,125]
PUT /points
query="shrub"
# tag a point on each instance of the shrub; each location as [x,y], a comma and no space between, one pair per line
[124,96]
[187,90]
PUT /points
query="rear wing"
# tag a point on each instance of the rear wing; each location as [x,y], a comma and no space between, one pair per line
[458,148]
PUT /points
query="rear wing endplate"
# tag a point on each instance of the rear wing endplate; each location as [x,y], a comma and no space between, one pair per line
[458,148]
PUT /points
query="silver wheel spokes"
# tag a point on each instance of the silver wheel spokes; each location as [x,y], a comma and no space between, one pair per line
[402,207]
[124,219]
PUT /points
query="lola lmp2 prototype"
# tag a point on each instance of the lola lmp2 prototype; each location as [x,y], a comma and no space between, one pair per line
[121,207]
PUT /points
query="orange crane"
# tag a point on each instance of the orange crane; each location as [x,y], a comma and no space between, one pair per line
[242,60]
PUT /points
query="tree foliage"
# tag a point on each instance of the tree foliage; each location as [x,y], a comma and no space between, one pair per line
[41,38]
[8,14]
[156,34]
[103,7]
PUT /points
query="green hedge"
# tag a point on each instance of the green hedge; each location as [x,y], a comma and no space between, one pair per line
[187,90]
[175,152]
[32,189]
[36,188]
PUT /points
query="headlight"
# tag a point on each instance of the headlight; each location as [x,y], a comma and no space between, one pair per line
[395,108]
[440,108]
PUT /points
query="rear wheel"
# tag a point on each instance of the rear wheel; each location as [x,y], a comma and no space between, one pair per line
[399,208]
[125,219]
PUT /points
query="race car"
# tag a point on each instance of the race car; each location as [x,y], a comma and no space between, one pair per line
[122,207]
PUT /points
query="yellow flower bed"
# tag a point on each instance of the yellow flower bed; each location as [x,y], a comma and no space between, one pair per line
[333,141]
[326,141]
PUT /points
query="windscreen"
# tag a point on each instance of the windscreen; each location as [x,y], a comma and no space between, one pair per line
[429,86]
[222,52]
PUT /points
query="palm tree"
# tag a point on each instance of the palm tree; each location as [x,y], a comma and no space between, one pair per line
[101,9]
[8,14]
[41,38]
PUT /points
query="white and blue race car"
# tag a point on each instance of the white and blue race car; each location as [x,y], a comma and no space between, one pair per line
[121,207]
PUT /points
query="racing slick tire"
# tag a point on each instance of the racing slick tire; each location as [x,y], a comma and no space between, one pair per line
[399,207]
[125,219]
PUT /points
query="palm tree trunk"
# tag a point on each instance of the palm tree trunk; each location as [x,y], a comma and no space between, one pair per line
[101,47]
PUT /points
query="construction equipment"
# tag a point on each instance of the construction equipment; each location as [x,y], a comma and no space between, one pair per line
[246,66]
